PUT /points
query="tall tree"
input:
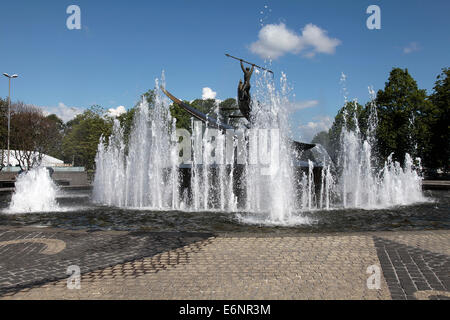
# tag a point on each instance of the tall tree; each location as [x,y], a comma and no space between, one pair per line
[439,154]
[3,130]
[183,118]
[208,106]
[225,111]
[350,116]
[56,136]
[31,134]
[83,134]
[323,139]
[126,122]
[402,111]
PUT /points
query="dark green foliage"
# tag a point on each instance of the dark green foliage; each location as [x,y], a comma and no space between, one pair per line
[409,121]
[82,135]
[3,123]
[56,137]
[439,151]
[346,116]
[403,112]
[183,118]
[126,122]
[149,96]
[208,107]
[228,104]
[322,138]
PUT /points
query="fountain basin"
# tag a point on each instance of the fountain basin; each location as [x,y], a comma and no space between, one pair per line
[79,212]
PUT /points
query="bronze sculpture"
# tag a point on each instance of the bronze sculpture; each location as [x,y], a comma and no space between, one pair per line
[244,98]
[244,103]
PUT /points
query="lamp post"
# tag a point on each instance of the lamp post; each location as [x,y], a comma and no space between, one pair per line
[9,109]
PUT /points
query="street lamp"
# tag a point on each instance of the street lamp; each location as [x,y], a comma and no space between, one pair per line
[9,109]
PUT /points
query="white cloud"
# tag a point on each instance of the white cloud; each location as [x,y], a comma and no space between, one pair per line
[413,46]
[63,112]
[299,105]
[319,41]
[309,130]
[117,111]
[275,40]
[208,93]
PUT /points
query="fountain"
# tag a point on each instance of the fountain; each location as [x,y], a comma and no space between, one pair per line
[360,182]
[147,175]
[255,174]
[35,192]
[219,178]
[361,185]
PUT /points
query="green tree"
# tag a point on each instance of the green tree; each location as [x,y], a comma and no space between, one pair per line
[32,134]
[402,109]
[351,114]
[126,122]
[3,129]
[183,118]
[322,138]
[82,136]
[439,151]
[229,103]
[208,107]
[56,136]
[149,96]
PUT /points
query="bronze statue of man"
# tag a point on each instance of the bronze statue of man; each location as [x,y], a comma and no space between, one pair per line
[247,74]
[244,98]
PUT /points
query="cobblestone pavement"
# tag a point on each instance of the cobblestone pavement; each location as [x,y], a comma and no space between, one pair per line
[130,265]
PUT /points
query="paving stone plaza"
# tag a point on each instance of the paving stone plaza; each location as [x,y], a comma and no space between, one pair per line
[142,265]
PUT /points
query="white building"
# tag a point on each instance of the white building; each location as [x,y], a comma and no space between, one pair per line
[47,161]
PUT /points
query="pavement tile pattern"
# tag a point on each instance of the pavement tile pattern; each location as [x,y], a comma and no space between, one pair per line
[24,262]
[127,265]
[409,269]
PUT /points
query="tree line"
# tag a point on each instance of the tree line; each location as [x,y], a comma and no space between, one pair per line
[34,134]
[409,121]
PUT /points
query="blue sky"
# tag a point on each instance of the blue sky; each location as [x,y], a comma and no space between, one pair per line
[124,45]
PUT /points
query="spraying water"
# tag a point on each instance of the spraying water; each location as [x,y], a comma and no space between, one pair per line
[35,192]
[361,183]
[269,178]
[265,184]
[147,175]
